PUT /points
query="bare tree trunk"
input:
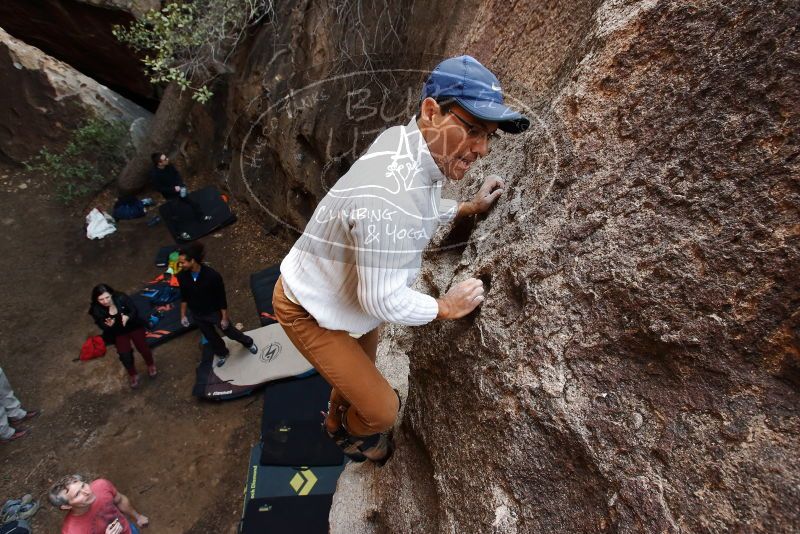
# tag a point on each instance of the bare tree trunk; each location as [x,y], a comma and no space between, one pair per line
[169,118]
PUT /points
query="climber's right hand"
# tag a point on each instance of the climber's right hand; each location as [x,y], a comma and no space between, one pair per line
[461,299]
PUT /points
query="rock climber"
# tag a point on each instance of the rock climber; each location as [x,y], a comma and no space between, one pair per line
[352,268]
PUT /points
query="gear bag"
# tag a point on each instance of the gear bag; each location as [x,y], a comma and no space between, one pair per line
[93,347]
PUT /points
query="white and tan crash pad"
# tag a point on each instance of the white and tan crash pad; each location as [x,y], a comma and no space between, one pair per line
[243,372]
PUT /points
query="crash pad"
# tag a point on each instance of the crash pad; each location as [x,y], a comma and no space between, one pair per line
[179,217]
[291,424]
[287,499]
[244,372]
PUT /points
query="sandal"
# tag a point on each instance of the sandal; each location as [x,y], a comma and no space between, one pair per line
[28,510]
[11,507]
[16,509]
[30,414]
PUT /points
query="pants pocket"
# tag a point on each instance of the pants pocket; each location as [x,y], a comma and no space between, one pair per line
[287,312]
[304,317]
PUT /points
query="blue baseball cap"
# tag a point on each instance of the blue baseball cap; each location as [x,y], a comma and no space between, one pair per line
[475,89]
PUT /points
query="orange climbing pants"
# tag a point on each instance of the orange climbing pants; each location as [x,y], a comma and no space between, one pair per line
[346,363]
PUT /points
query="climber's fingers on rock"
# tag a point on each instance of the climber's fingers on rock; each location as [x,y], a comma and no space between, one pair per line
[493,181]
[466,286]
[467,295]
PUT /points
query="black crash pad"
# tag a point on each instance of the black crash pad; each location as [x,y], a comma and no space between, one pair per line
[287,499]
[286,515]
[291,430]
[283,481]
[179,218]
[169,325]
[262,284]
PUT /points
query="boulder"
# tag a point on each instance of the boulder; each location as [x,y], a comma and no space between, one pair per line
[42,100]
[78,32]
[636,364]
[139,130]
[306,95]
[137,8]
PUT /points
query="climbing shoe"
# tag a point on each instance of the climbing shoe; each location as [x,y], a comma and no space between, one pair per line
[382,450]
[349,444]
[377,447]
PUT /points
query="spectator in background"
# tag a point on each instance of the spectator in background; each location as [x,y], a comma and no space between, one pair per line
[11,412]
[94,508]
[166,179]
[203,293]
[116,315]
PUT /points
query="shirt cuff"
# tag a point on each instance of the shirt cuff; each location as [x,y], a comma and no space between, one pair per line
[448,209]
[426,309]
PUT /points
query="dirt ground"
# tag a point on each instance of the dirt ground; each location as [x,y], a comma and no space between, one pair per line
[181,461]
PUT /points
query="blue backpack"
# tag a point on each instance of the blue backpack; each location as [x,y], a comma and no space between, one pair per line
[162,295]
[128,208]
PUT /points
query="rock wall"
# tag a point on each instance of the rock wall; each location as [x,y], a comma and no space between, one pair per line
[636,365]
[78,32]
[137,8]
[42,100]
[292,117]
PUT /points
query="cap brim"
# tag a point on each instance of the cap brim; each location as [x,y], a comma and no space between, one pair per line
[507,119]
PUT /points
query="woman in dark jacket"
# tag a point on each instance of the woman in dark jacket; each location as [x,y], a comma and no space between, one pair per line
[115,313]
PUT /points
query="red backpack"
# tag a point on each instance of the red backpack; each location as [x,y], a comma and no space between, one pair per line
[93,347]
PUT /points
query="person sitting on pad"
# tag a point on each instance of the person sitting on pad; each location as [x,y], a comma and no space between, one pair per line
[353,267]
[167,180]
[203,293]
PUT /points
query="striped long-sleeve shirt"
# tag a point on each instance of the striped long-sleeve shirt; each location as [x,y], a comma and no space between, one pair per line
[362,249]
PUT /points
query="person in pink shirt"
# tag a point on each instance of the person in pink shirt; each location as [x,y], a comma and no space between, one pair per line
[95,507]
